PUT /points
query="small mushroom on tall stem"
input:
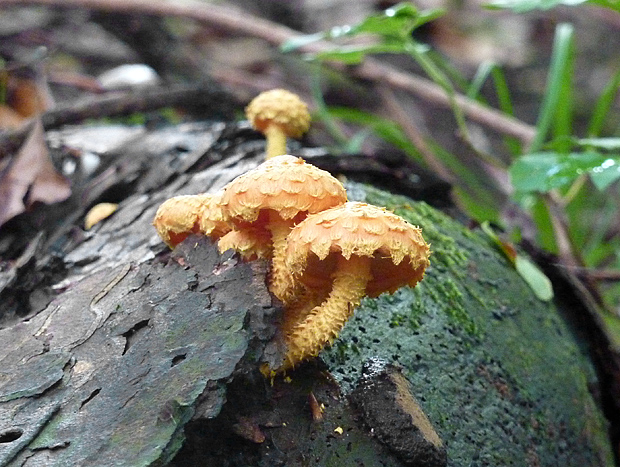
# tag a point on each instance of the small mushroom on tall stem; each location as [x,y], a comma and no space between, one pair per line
[355,250]
[277,114]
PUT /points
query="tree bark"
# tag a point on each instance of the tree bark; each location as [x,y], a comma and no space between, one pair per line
[129,354]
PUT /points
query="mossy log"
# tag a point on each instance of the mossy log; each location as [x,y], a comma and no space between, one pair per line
[150,357]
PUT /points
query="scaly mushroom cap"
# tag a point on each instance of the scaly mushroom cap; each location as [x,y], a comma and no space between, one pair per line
[284,184]
[279,107]
[211,218]
[181,216]
[398,251]
[176,218]
[251,244]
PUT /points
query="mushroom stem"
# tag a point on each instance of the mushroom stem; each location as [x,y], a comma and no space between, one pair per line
[276,141]
[300,308]
[322,324]
[281,281]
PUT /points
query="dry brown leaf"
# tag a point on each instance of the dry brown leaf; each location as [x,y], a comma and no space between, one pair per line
[9,119]
[29,177]
[29,96]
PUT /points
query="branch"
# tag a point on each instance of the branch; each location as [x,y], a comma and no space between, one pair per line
[238,22]
[198,97]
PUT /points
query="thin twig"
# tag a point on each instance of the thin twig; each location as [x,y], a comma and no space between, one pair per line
[238,22]
[567,252]
[119,104]
[197,97]
[607,275]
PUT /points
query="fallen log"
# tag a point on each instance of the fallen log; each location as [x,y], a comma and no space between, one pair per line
[142,356]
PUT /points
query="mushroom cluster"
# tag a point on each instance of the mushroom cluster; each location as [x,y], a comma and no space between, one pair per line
[326,253]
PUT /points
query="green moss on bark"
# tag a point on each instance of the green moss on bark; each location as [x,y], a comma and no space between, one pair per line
[499,372]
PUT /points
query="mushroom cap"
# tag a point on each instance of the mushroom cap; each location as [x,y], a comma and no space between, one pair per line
[279,107]
[251,244]
[395,248]
[176,218]
[180,216]
[284,184]
[211,218]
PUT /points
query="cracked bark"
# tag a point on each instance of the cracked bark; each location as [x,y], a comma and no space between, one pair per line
[129,354]
[136,346]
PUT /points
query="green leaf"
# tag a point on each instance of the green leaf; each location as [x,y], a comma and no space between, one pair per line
[531,274]
[393,27]
[354,145]
[543,220]
[546,171]
[484,71]
[505,247]
[608,144]
[382,127]
[522,6]
[611,4]
[397,21]
[606,173]
[604,104]
[300,41]
[354,55]
[472,190]
[535,278]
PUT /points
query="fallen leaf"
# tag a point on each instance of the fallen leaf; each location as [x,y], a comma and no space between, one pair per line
[30,176]
[9,119]
[27,91]
[530,272]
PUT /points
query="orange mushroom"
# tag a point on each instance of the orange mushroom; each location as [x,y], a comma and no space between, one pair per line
[210,217]
[250,243]
[277,114]
[181,216]
[355,249]
[274,197]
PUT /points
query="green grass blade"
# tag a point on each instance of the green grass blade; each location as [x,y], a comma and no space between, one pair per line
[322,112]
[385,129]
[560,61]
[504,101]
[502,90]
[563,121]
[482,74]
[603,105]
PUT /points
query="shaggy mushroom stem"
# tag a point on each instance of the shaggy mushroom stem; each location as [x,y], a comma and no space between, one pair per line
[276,141]
[323,323]
[281,280]
[305,301]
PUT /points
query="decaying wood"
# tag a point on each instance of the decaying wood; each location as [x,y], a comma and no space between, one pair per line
[111,370]
[137,341]
[131,339]
[129,354]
